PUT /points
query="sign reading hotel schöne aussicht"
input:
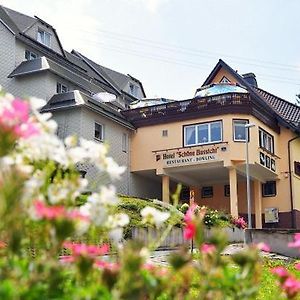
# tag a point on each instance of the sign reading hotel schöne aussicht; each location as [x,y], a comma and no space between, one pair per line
[191,156]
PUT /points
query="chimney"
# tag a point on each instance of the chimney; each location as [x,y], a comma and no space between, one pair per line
[250,78]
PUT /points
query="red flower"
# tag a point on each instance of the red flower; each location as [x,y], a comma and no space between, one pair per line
[189,231]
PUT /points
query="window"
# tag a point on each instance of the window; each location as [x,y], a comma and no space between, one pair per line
[98,132]
[266,141]
[61,88]
[44,37]
[165,133]
[297,168]
[203,133]
[227,190]
[124,142]
[224,80]
[30,55]
[133,89]
[239,130]
[269,189]
[207,192]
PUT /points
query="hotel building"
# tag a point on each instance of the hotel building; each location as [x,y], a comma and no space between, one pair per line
[201,143]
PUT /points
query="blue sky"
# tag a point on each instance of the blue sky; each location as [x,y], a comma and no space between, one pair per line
[172,45]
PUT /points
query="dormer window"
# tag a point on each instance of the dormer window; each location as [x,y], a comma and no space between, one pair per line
[61,88]
[44,37]
[224,80]
[133,89]
[30,55]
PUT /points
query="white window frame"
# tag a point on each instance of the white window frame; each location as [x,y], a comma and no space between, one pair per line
[266,140]
[209,141]
[31,55]
[41,37]
[101,139]
[243,122]
[60,87]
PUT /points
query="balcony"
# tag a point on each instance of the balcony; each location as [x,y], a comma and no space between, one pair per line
[188,109]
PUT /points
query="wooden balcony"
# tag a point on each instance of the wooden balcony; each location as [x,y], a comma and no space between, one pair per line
[189,109]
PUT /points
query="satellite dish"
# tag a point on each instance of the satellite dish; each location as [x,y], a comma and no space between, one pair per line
[104,97]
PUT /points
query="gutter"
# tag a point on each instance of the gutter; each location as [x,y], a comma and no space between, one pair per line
[290,181]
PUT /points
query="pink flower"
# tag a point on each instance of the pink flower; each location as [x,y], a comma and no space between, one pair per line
[297,266]
[15,117]
[112,266]
[296,243]
[280,272]
[207,248]
[263,247]
[81,249]
[291,286]
[239,222]
[66,259]
[190,213]
[26,130]
[56,211]
[189,231]
[49,212]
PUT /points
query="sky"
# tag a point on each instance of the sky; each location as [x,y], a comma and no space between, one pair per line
[172,45]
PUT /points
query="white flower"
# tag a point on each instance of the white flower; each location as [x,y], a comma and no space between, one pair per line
[37,103]
[113,169]
[71,141]
[116,235]
[118,220]
[95,211]
[154,216]
[57,193]
[108,195]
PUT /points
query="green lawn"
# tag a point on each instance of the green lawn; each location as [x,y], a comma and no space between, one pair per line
[269,289]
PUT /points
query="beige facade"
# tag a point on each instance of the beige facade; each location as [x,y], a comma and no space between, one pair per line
[159,150]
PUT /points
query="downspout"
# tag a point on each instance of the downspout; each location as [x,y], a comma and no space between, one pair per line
[290,180]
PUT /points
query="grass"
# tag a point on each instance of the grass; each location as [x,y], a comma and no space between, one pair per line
[269,289]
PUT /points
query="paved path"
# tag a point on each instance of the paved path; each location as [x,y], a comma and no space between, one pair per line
[161,256]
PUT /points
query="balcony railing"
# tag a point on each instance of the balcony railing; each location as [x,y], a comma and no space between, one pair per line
[180,110]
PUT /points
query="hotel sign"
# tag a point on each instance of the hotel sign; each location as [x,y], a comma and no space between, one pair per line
[187,157]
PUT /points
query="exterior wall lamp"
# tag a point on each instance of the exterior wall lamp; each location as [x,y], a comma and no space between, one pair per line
[247,126]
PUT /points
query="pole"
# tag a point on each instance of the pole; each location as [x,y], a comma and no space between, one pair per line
[248,181]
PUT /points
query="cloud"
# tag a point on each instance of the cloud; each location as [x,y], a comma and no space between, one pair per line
[151,5]
[71,19]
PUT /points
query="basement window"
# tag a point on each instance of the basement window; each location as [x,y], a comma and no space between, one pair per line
[269,189]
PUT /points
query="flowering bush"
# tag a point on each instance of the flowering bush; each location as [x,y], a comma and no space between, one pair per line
[45,238]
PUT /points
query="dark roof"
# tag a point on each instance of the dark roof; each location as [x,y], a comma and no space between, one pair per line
[77,98]
[289,111]
[117,79]
[285,111]
[21,21]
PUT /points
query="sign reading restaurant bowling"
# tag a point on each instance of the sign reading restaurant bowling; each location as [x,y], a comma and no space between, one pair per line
[186,157]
